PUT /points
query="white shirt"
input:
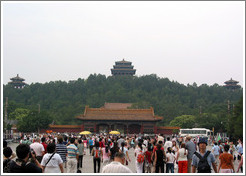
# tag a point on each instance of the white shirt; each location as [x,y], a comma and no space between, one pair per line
[160,138]
[115,167]
[170,157]
[182,156]
[38,148]
[53,165]
[167,144]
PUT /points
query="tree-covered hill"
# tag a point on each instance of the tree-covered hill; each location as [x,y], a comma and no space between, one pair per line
[64,100]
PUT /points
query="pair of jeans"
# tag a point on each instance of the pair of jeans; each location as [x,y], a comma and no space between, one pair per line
[80,161]
[159,165]
[97,163]
[169,166]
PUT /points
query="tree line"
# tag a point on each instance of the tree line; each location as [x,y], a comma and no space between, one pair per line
[63,101]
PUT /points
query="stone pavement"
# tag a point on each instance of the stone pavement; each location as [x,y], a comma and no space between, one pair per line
[88,166]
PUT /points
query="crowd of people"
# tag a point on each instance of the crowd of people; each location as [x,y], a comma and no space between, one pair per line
[152,154]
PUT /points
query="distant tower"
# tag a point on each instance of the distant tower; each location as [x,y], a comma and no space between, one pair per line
[232,84]
[17,82]
[123,68]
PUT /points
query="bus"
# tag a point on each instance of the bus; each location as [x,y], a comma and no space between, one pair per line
[194,132]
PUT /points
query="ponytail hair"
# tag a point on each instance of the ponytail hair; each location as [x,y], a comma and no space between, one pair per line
[140,145]
[122,145]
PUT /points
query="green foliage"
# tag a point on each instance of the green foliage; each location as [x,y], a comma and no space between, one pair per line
[34,121]
[184,121]
[64,100]
[235,126]
[18,113]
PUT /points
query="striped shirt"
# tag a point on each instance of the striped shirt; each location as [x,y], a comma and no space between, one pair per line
[72,151]
[61,149]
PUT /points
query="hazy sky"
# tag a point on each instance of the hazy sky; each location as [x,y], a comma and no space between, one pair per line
[202,42]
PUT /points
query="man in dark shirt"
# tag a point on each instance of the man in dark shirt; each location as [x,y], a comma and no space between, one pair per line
[22,163]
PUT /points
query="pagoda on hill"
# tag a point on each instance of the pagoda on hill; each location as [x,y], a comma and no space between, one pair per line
[17,82]
[232,84]
[123,68]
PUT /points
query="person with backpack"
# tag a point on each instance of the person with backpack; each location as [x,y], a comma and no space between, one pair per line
[139,154]
[204,159]
[97,154]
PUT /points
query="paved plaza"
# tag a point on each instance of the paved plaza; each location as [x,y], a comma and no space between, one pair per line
[88,166]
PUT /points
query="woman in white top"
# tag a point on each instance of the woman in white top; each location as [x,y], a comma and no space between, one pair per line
[182,159]
[55,163]
[175,149]
[139,154]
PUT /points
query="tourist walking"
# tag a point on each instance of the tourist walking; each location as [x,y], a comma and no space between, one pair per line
[117,166]
[159,159]
[81,149]
[52,162]
[97,154]
[226,161]
[91,143]
[167,144]
[191,147]
[182,159]
[73,156]
[114,150]
[38,149]
[203,159]
[240,165]
[216,152]
[61,149]
[124,150]
[106,154]
[139,154]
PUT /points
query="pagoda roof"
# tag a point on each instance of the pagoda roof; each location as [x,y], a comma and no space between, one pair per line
[17,78]
[116,105]
[231,81]
[119,114]
[123,61]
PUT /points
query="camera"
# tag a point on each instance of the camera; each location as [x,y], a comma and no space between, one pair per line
[31,152]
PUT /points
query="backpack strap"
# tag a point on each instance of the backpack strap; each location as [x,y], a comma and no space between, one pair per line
[206,154]
[204,157]
[198,155]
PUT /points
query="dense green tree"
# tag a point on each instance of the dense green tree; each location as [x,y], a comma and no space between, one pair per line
[184,121]
[34,121]
[235,126]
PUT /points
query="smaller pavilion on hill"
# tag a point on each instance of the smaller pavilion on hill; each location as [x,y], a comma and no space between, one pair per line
[232,84]
[123,68]
[116,116]
[17,82]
